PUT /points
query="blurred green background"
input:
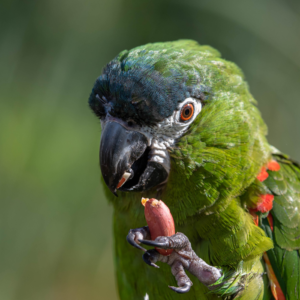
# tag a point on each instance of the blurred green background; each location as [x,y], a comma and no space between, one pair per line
[55,225]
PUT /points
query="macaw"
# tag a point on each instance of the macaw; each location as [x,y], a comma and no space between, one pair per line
[179,124]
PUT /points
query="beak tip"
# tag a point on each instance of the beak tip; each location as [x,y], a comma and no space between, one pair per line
[113,190]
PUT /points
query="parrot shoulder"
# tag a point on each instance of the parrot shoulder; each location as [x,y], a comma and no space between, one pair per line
[273,200]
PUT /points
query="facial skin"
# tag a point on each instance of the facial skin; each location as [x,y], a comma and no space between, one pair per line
[135,157]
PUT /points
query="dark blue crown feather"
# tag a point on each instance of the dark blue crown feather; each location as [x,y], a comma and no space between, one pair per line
[146,85]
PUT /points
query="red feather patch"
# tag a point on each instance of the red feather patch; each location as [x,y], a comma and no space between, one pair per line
[263,175]
[273,165]
[270,219]
[266,203]
[274,284]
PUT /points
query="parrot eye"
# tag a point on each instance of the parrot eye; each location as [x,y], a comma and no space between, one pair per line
[187,112]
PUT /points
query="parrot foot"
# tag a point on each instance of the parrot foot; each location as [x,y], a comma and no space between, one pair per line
[182,258]
[150,257]
[177,241]
[181,290]
[134,235]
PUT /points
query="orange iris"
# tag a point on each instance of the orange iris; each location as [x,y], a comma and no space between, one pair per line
[187,112]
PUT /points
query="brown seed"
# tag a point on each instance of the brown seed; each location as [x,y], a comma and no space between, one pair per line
[159,219]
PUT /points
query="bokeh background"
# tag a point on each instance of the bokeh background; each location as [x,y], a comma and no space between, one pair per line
[55,224]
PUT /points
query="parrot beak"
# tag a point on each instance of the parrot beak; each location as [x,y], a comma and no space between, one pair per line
[125,160]
[119,149]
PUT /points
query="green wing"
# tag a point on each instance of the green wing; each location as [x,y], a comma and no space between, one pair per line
[285,256]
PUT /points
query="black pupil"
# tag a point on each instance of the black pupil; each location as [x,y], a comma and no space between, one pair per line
[187,111]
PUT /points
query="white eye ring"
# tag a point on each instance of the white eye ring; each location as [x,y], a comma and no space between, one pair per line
[197,108]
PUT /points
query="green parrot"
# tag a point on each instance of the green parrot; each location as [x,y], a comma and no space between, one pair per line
[179,124]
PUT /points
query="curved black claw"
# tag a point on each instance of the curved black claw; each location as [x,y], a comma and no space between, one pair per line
[162,245]
[149,256]
[182,289]
[130,239]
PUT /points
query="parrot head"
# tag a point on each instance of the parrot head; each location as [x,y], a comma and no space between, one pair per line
[172,103]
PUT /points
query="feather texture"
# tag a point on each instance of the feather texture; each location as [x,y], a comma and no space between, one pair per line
[213,179]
